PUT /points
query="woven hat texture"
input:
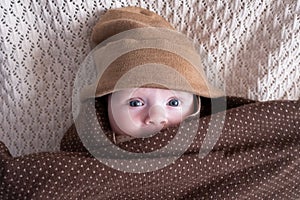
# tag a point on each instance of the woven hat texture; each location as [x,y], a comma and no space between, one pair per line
[121,19]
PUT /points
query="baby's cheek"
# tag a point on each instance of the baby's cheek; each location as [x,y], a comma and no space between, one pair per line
[175,116]
[136,116]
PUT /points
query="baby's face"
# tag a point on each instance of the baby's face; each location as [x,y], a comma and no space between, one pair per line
[141,112]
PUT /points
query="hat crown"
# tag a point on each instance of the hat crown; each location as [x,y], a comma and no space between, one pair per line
[115,21]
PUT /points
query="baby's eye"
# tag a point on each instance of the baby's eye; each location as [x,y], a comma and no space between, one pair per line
[173,102]
[136,103]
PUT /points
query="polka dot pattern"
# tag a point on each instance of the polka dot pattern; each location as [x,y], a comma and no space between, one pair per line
[255,157]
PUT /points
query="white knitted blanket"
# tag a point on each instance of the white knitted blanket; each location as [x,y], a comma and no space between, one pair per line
[250,48]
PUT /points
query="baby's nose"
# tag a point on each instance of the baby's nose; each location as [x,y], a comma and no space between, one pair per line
[157,116]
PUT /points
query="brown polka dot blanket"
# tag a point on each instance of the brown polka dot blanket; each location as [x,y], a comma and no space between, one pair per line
[250,150]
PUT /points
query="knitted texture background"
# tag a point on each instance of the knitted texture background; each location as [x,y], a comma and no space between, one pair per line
[250,48]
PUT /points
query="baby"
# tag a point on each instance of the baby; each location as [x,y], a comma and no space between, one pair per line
[151,75]
[150,41]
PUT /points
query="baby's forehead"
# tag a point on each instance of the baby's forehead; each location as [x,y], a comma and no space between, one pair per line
[149,91]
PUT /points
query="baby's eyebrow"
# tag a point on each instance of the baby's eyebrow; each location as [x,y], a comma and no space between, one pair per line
[132,98]
[135,98]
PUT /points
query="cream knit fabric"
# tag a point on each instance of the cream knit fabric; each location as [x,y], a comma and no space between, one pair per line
[251,49]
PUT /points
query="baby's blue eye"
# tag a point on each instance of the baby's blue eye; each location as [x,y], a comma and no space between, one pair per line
[173,102]
[136,103]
